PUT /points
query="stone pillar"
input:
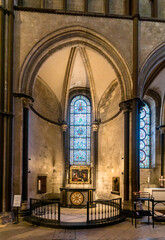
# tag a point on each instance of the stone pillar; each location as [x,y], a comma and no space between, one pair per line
[25,150]
[94,164]
[126,107]
[64,128]
[135,146]
[154,8]
[162,130]
[162,135]
[128,7]
[20,3]
[135,101]
[9,107]
[85,6]
[43,3]
[106,6]
[2,80]
[64,5]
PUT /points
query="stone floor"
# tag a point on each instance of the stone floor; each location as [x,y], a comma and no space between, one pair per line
[124,231]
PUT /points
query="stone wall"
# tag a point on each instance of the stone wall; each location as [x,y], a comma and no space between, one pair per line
[152,34]
[46,103]
[110,154]
[46,154]
[31,27]
[145,8]
[97,6]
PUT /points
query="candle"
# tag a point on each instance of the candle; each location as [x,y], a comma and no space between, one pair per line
[39,185]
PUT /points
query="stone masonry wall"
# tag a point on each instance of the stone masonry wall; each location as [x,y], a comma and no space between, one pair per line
[46,153]
[30,27]
[111,152]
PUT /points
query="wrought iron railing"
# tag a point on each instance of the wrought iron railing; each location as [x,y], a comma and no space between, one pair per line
[158,211]
[103,211]
[45,209]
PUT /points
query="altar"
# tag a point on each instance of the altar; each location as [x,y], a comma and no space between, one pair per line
[158,194]
[76,197]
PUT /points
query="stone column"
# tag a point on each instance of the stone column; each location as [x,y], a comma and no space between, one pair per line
[135,101]
[162,135]
[135,145]
[64,5]
[106,6]
[94,164]
[64,128]
[85,6]
[2,46]
[9,107]
[154,8]
[128,7]
[126,107]
[25,150]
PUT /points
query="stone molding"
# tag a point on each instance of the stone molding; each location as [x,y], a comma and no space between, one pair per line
[64,127]
[95,126]
[74,35]
[126,106]
[150,69]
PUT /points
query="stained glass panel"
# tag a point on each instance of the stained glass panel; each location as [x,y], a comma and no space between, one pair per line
[145,137]
[80,130]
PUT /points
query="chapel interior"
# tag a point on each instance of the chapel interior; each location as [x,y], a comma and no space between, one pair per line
[82,100]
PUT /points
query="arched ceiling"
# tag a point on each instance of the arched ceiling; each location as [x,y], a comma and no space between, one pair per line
[53,71]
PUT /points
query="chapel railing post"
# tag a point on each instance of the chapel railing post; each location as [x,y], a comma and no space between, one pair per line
[58,212]
[30,206]
[120,206]
[87,212]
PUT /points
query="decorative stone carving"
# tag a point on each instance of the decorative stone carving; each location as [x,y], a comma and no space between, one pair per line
[126,106]
[64,127]
[95,127]
[27,102]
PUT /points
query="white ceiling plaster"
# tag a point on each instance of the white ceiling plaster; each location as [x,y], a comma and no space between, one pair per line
[102,71]
[79,76]
[53,71]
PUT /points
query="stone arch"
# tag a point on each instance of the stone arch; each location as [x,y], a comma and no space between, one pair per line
[75,35]
[152,66]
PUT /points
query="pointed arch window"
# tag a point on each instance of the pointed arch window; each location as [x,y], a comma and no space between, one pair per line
[80,131]
[145,132]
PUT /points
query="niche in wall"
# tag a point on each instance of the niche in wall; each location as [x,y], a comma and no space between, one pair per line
[41,184]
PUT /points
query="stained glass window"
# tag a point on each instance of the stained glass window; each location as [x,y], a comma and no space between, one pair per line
[145,137]
[80,131]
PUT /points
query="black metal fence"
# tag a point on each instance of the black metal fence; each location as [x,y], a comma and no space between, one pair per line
[46,209]
[103,211]
[158,211]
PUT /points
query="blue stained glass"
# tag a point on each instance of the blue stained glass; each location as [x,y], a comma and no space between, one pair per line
[80,131]
[80,143]
[145,137]
[80,119]
[142,123]
[79,156]
[71,157]
[142,134]
[80,106]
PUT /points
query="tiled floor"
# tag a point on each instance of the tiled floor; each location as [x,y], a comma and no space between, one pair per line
[124,231]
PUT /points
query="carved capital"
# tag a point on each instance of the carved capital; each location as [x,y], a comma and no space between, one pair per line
[64,127]
[27,102]
[95,126]
[126,106]
[162,129]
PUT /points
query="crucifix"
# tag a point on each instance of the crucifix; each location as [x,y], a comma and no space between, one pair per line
[162,180]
